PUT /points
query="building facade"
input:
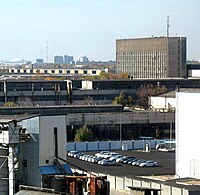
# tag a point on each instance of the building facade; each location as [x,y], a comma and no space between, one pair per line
[39,61]
[68,59]
[58,59]
[156,57]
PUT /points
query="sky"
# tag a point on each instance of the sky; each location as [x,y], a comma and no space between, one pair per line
[91,27]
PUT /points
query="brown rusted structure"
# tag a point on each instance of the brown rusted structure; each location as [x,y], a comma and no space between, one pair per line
[77,184]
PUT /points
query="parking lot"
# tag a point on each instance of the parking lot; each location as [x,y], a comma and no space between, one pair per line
[165,160]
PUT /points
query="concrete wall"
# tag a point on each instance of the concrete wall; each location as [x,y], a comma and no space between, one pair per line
[187,135]
[47,141]
[135,117]
[162,102]
[120,185]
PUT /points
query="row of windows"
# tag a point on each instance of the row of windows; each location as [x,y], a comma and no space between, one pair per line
[50,71]
[141,53]
[29,86]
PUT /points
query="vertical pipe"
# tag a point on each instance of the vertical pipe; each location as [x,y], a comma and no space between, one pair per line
[11,170]
[56,141]
[33,94]
[5,91]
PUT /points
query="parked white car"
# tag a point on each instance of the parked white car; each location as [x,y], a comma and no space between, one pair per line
[137,162]
[113,155]
[77,155]
[120,158]
[148,163]
[72,153]
[106,162]
[102,153]
[100,162]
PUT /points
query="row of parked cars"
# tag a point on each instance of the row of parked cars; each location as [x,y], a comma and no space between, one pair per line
[112,158]
[93,159]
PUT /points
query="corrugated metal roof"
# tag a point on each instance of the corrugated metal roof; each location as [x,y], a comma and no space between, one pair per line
[54,170]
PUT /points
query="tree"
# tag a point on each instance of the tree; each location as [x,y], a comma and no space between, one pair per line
[145,91]
[24,101]
[120,99]
[124,100]
[130,101]
[83,134]
[9,104]
[104,75]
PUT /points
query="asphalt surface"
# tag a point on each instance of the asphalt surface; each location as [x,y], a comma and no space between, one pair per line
[165,160]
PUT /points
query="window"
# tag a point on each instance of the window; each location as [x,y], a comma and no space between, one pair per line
[94,72]
[76,71]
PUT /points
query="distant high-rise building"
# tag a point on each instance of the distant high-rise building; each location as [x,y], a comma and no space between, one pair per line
[39,61]
[83,60]
[58,59]
[68,59]
[156,57]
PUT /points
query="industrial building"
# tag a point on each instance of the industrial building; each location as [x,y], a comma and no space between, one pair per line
[36,156]
[36,137]
[80,92]
[72,71]
[155,57]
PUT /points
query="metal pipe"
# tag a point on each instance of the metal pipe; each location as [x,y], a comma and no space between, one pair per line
[56,141]
[11,170]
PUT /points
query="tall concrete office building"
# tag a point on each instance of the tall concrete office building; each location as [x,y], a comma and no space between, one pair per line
[68,59]
[58,59]
[156,57]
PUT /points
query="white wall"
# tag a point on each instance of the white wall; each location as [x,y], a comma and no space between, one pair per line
[163,102]
[87,85]
[47,143]
[194,73]
[187,135]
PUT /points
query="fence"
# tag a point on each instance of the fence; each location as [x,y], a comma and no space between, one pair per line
[113,145]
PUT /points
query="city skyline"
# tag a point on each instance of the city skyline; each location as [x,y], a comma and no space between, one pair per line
[91,27]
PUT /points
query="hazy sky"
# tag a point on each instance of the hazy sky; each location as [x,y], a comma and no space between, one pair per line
[91,27]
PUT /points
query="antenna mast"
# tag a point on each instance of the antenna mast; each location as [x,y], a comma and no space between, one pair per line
[168,25]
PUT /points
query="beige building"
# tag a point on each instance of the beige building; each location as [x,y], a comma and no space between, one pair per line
[156,57]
